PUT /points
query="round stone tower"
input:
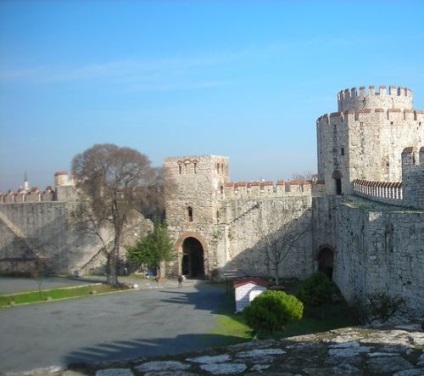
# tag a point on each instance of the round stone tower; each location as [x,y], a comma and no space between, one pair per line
[366,137]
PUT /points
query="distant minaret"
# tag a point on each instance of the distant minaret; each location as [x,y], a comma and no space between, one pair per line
[26,184]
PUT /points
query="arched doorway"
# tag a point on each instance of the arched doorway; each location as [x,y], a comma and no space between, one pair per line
[193,263]
[337,176]
[325,261]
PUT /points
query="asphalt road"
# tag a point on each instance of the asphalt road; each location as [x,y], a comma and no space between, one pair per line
[127,325]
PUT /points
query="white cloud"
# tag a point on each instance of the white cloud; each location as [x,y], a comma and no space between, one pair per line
[166,74]
[131,75]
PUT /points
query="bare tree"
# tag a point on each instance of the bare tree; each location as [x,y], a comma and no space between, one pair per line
[307,175]
[152,197]
[278,245]
[113,181]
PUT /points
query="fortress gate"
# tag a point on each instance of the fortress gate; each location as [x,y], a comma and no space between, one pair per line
[192,263]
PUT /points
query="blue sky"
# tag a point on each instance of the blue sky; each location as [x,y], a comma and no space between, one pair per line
[244,79]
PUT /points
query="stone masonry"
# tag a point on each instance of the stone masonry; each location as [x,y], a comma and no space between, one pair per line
[365,138]
[365,246]
[361,220]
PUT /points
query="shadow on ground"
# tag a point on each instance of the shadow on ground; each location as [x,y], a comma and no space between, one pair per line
[213,299]
[142,348]
[348,351]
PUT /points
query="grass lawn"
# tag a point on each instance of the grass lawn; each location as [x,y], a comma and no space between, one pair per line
[231,325]
[57,294]
[314,320]
[321,319]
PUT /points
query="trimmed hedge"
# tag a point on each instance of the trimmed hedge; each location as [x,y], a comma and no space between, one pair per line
[272,310]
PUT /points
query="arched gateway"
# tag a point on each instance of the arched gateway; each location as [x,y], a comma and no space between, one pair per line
[191,250]
[325,260]
[192,263]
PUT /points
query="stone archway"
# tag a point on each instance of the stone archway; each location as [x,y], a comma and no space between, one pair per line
[325,260]
[192,253]
[193,260]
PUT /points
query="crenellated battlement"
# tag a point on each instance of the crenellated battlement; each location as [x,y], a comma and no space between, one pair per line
[375,114]
[62,183]
[413,176]
[267,189]
[383,90]
[409,192]
[32,195]
[188,166]
[411,157]
[367,98]
[386,192]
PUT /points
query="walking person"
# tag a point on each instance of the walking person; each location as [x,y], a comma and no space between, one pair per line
[181,279]
[158,279]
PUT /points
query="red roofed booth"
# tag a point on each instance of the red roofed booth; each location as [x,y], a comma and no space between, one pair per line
[247,289]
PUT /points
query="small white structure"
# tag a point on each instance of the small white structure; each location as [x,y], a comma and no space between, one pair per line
[247,289]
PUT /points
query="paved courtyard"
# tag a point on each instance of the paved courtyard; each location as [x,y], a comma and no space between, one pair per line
[149,321]
[121,334]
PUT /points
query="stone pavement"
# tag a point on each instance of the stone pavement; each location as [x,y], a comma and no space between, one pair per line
[358,351]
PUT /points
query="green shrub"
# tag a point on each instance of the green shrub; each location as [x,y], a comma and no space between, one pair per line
[378,306]
[316,290]
[272,310]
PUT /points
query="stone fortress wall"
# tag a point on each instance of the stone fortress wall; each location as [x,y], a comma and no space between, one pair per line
[380,249]
[361,221]
[370,149]
[229,219]
[365,258]
[413,177]
[373,148]
[40,235]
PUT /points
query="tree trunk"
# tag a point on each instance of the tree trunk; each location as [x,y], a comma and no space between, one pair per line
[276,276]
[112,263]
